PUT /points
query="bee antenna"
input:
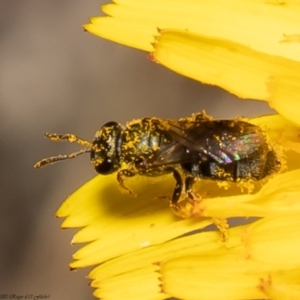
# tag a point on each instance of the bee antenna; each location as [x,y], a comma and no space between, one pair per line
[64,137]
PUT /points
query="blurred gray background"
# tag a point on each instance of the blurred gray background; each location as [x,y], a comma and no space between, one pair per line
[55,77]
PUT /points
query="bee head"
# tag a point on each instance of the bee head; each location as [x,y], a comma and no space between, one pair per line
[105,150]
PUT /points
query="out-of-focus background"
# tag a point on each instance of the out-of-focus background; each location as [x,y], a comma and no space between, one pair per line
[55,77]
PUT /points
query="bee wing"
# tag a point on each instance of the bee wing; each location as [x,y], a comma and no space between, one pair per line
[224,141]
[171,154]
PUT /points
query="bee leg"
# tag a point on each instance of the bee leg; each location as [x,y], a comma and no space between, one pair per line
[177,193]
[181,210]
[121,178]
[189,181]
[192,207]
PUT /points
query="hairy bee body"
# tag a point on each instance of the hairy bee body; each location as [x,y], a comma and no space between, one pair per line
[190,148]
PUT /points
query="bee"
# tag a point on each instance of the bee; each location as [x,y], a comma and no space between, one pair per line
[191,148]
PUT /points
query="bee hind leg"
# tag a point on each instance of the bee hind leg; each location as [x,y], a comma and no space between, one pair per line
[189,182]
[178,187]
[189,209]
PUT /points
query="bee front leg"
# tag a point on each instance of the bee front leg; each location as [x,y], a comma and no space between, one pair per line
[121,178]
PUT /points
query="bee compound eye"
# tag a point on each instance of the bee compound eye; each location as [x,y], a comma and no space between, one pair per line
[106,167]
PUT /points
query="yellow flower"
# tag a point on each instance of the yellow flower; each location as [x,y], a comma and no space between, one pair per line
[250,48]
[142,250]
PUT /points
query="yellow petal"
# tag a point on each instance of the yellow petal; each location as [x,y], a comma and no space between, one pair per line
[234,67]
[281,289]
[250,48]
[275,240]
[139,222]
[124,32]
[271,27]
[264,261]
[142,283]
[222,277]
[146,262]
